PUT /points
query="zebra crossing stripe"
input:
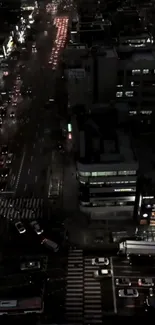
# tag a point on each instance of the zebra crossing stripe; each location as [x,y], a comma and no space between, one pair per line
[10,208]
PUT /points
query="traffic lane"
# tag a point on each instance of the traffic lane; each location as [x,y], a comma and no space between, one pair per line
[122,267]
[130,306]
[14,170]
[107,296]
[31,174]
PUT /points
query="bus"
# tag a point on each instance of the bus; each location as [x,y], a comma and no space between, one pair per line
[137,248]
[54,188]
[50,244]
[21,306]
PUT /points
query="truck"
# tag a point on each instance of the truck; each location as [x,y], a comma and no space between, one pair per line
[54,188]
[136,248]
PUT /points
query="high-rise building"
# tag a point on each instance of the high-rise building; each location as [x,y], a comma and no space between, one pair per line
[106,169]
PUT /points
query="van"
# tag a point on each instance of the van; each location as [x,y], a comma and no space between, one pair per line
[50,244]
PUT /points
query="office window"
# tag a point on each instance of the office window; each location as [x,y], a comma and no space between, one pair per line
[145,71]
[112,173]
[119,94]
[146,112]
[136,71]
[132,113]
[86,174]
[127,172]
[129,93]
[106,173]
[94,174]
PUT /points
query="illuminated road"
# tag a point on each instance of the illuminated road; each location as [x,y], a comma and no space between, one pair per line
[40,130]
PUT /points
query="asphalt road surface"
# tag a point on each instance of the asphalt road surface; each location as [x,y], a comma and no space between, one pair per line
[38,135]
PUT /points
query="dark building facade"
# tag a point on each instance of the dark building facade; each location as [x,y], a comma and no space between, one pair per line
[9,12]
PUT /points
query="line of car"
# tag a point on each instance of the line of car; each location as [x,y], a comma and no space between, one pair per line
[6,158]
[124,284]
[34,224]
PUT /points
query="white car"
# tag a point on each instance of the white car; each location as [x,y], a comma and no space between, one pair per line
[9,158]
[128,293]
[100,261]
[102,273]
[20,227]
[123,282]
[36,227]
[146,282]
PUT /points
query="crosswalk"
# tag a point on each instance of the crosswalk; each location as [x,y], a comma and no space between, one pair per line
[92,294]
[74,292]
[83,293]
[21,208]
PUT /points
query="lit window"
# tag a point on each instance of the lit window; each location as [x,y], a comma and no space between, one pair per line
[119,94]
[106,173]
[136,71]
[132,112]
[129,93]
[146,112]
[127,172]
[124,190]
[86,174]
[145,71]
[132,83]
[119,86]
[94,174]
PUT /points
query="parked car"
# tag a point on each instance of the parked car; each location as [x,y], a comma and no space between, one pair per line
[128,293]
[124,282]
[146,282]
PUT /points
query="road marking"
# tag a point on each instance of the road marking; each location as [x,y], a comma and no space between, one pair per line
[130,272]
[31,158]
[36,178]
[131,276]
[20,169]
[113,286]
[25,187]
[29,171]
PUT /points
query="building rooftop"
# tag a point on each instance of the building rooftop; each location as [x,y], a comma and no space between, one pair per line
[149,56]
[101,144]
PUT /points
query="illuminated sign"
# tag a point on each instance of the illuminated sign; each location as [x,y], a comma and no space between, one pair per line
[69,127]
[24,7]
[76,73]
